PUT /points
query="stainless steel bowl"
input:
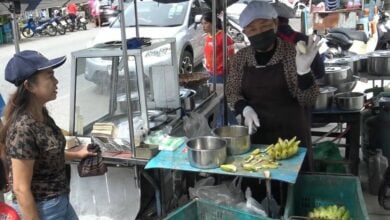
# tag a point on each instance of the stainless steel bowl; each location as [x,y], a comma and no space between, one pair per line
[378,63]
[206,152]
[335,75]
[346,86]
[237,138]
[351,61]
[325,98]
[349,100]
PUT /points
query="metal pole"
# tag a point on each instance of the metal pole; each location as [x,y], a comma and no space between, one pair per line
[15,28]
[136,19]
[127,76]
[225,63]
[213,31]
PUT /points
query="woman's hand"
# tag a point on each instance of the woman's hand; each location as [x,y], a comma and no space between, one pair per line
[79,152]
[306,53]
[83,152]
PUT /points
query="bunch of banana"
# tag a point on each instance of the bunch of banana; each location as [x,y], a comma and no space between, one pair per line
[283,149]
[332,212]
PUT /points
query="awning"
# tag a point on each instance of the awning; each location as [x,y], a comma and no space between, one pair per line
[29,5]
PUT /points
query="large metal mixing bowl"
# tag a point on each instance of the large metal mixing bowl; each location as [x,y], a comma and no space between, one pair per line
[335,75]
[349,100]
[206,152]
[237,138]
[340,77]
[346,86]
[351,61]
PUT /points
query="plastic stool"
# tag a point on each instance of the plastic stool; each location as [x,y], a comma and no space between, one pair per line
[7,212]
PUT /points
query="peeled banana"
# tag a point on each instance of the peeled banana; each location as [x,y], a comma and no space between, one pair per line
[283,149]
[229,168]
[331,212]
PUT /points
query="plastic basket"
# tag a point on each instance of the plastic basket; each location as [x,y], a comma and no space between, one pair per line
[312,191]
[1,36]
[205,210]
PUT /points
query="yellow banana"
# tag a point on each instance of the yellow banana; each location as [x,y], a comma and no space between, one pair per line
[284,154]
[281,142]
[256,151]
[291,141]
[249,159]
[229,168]
[249,167]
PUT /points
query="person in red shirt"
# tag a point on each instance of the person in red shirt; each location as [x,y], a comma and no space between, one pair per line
[208,61]
[72,10]
[209,47]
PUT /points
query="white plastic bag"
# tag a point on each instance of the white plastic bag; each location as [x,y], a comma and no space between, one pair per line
[251,205]
[196,125]
[225,194]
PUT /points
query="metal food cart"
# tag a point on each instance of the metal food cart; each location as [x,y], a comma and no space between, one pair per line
[150,103]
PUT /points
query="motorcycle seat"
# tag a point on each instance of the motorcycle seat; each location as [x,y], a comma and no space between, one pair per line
[352,34]
[339,40]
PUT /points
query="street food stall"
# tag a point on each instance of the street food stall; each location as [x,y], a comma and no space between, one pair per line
[126,112]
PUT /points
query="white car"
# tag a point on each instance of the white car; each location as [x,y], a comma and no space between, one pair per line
[156,20]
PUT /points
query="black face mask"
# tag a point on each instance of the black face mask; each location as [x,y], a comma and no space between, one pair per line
[263,40]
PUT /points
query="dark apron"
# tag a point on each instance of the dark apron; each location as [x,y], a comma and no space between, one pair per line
[265,89]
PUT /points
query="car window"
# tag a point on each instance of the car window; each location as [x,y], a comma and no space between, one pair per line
[155,14]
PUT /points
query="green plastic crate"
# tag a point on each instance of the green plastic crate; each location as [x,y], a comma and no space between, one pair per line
[1,36]
[312,191]
[205,210]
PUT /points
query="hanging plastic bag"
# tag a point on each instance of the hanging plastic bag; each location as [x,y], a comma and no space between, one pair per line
[224,194]
[328,151]
[196,125]
[251,205]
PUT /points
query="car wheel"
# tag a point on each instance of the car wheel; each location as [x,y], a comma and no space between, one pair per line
[186,62]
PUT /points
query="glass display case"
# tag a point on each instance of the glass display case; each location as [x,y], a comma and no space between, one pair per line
[99,105]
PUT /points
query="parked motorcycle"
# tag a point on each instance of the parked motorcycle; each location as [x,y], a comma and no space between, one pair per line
[70,26]
[61,25]
[383,29]
[32,28]
[340,40]
[81,22]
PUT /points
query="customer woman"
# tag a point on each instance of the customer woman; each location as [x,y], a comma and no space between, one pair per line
[33,143]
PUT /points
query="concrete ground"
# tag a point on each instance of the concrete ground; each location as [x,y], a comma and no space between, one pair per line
[374,211]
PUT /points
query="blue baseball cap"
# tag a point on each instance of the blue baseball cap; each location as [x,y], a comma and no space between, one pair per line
[25,63]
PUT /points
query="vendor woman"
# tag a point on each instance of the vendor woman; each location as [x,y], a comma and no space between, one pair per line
[270,82]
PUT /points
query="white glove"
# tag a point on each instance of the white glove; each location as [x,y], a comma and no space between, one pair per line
[306,53]
[251,119]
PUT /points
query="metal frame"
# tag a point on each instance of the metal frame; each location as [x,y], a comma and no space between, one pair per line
[117,52]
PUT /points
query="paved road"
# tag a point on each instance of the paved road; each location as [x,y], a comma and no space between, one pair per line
[51,47]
